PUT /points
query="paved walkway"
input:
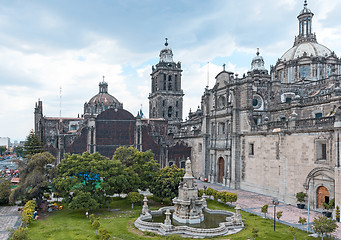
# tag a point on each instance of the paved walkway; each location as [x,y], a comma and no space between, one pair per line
[253,202]
[9,219]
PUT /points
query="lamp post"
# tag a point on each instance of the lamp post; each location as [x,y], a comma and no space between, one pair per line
[275,203]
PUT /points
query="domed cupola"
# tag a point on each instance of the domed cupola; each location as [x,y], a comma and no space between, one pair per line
[101,101]
[307,59]
[257,62]
[166,54]
[305,22]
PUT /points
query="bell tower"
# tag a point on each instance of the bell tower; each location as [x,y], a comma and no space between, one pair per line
[166,97]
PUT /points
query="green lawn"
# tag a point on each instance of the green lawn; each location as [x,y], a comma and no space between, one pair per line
[69,224]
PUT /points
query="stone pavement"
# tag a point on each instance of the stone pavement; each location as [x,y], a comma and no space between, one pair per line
[9,219]
[253,202]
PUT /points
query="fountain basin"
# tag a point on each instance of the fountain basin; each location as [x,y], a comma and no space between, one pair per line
[229,224]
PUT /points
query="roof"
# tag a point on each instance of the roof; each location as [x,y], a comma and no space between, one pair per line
[308,49]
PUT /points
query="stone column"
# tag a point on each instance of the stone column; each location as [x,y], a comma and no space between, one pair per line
[168,221]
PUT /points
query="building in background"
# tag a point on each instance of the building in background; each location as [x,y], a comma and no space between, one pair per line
[5,142]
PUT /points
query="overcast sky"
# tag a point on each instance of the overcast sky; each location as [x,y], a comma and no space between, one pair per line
[71,44]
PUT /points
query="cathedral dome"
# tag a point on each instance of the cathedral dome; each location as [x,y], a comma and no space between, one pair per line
[309,49]
[102,101]
[103,97]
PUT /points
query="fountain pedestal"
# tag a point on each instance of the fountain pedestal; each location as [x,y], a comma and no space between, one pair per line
[188,207]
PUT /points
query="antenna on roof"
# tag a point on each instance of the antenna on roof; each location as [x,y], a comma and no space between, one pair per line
[60,101]
[208,74]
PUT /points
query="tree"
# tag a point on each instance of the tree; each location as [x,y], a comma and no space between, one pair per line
[323,225]
[293,232]
[86,180]
[5,191]
[279,214]
[125,155]
[167,182]
[18,150]
[265,209]
[33,144]
[134,197]
[141,163]
[146,168]
[35,177]
[3,149]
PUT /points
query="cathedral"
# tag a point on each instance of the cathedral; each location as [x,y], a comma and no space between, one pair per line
[275,132]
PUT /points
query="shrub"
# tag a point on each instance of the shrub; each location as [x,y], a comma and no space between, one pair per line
[228,197]
[27,214]
[210,191]
[330,205]
[216,194]
[92,218]
[302,220]
[134,197]
[20,234]
[300,197]
[104,234]
[201,192]
[167,201]
[96,224]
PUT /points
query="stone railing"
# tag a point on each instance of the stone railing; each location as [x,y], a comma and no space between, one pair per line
[309,123]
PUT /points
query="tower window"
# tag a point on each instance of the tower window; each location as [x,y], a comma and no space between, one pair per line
[170,110]
[176,114]
[163,103]
[177,103]
[176,82]
[170,83]
[164,81]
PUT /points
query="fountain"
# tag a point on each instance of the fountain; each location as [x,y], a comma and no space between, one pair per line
[188,206]
[190,215]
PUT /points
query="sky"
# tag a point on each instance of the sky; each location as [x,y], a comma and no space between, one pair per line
[59,50]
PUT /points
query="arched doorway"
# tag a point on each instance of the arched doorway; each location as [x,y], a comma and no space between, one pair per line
[221,169]
[322,196]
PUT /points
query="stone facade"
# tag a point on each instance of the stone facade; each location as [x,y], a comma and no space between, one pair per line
[166,97]
[104,127]
[273,133]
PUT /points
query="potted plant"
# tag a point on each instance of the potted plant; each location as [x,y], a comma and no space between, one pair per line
[329,207]
[337,214]
[300,197]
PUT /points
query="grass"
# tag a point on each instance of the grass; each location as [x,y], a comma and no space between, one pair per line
[71,224]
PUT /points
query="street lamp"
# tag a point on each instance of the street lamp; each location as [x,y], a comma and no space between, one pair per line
[275,203]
